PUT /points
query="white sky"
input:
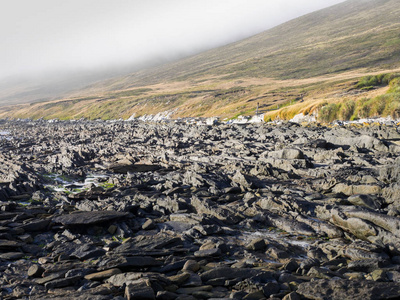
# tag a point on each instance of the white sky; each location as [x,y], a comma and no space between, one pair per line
[38,36]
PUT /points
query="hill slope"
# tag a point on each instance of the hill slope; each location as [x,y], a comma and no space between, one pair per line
[345,41]
[353,34]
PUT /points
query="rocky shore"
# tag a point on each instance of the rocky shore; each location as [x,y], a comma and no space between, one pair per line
[135,210]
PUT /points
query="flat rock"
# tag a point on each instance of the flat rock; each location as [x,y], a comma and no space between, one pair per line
[63,282]
[103,274]
[229,273]
[89,217]
[6,244]
[11,255]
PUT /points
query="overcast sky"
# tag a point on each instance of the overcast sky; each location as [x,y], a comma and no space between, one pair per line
[51,35]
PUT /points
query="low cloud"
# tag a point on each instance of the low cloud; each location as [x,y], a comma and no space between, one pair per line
[67,36]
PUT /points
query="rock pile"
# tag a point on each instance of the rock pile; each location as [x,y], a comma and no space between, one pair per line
[134,210]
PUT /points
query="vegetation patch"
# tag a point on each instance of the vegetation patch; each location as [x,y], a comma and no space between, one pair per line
[383,105]
[372,81]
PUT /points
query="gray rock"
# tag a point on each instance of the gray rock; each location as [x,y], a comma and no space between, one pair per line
[129,262]
[87,251]
[139,291]
[348,289]
[36,225]
[365,201]
[89,218]
[35,271]
[208,252]
[287,154]
[257,245]
[229,273]
[63,282]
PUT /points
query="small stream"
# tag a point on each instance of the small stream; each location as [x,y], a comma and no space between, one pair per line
[5,135]
[65,184]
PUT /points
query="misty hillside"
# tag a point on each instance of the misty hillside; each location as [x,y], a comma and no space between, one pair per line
[353,34]
[286,63]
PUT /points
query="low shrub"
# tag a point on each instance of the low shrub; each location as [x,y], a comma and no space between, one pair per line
[329,113]
[347,110]
[371,81]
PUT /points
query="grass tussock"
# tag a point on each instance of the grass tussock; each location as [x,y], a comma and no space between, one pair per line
[384,105]
[350,108]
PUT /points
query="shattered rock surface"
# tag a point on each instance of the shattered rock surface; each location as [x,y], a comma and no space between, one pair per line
[136,210]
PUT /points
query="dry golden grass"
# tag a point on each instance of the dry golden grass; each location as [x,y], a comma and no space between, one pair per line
[206,98]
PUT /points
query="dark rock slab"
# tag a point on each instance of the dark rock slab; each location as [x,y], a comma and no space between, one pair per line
[87,251]
[63,282]
[36,225]
[129,262]
[12,255]
[89,217]
[126,166]
[7,245]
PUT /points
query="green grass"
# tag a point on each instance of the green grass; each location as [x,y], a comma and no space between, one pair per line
[383,105]
[107,185]
[369,82]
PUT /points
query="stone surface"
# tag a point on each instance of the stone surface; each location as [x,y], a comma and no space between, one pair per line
[348,289]
[103,274]
[99,210]
[88,218]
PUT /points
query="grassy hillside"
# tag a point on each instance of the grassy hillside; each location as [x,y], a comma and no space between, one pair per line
[353,34]
[228,99]
[369,96]
[303,65]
